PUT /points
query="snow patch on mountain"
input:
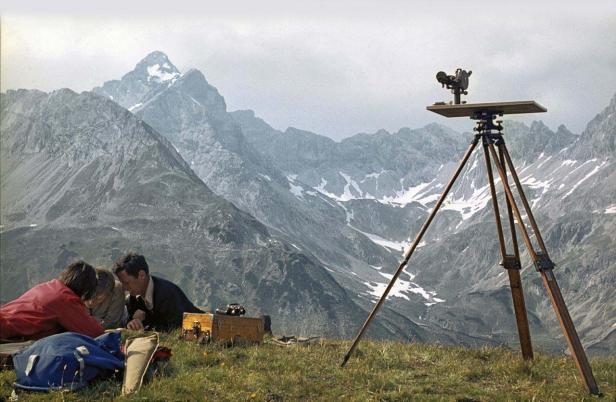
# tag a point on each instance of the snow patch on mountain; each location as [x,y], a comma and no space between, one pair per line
[394,245]
[373,175]
[424,193]
[468,207]
[544,161]
[418,193]
[349,214]
[296,190]
[163,74]
[401,288]
[401,246]
[135,106]
[591,173]
[321,189]
[535,184]
[347,194]
[194,100]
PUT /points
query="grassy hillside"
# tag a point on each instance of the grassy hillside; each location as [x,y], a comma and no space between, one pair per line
[379,371]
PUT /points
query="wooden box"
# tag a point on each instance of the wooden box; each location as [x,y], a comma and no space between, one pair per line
[220,327]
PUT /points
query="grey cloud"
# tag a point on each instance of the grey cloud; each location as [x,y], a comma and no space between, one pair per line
[339,74]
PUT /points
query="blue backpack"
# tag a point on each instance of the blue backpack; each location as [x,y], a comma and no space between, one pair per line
[67,361]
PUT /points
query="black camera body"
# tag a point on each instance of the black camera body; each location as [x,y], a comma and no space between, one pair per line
[233,309]
[458,83]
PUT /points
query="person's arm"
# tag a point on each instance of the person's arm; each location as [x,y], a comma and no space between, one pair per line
[165,314]
[131,306]
[175,310]
[137,315]
[74,317]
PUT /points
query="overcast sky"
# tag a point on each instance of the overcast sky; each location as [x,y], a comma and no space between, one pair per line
[334,69]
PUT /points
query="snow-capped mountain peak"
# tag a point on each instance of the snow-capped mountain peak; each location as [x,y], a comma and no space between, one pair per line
[153,73]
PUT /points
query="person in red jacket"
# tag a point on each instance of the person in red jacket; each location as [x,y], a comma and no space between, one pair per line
[53,307]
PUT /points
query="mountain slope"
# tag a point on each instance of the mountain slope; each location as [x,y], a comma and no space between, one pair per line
[568,179]
[192,115]
[83,177]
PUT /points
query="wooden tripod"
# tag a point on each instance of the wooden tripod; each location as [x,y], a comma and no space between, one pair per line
[491,137]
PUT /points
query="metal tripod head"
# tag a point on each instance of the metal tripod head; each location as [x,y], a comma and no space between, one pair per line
[487,128]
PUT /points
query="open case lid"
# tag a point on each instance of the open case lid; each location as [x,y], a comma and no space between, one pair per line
[470,109]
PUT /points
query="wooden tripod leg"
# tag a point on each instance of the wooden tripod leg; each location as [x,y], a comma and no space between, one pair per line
[513,267]
[560,308]
[566,323]
[499,227]
[544,266]
[409,253]
[521,318]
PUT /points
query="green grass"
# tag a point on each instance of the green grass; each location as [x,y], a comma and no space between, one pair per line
[378,371]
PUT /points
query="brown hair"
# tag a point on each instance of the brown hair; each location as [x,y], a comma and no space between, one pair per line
[80,277]
[106,282]
[131,263]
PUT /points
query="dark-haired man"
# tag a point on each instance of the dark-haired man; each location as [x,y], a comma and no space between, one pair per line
[153,302]
[53,307]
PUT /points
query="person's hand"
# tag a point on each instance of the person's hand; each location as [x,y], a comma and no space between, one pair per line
[140,315]
[135,325]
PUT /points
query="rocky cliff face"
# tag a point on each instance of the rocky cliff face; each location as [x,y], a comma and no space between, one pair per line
[598,140]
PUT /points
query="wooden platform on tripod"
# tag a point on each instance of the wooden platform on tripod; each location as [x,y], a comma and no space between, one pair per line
[470,109]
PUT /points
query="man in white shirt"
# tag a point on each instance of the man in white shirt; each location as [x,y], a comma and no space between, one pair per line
[153,303]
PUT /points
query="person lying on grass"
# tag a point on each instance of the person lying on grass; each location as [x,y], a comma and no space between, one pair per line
[153,302]
[53,307]
[108,305]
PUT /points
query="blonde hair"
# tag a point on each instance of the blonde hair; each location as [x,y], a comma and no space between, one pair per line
[105,282]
